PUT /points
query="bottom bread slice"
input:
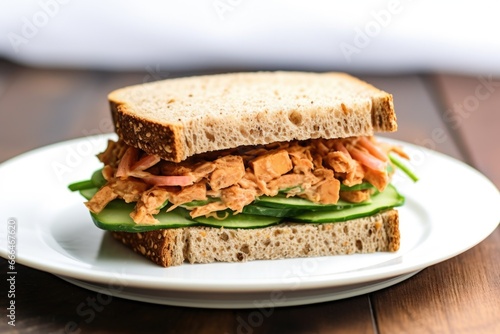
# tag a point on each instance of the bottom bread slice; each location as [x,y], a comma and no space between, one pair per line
[201,244]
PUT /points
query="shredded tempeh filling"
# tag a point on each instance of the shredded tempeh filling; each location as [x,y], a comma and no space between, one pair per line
[231,179]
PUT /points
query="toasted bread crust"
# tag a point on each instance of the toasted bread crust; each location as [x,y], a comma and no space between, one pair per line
[383,120]
[163,140]
[376,233]
[178,118]
[163,247]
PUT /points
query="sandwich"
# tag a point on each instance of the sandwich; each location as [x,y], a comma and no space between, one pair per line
[249,166]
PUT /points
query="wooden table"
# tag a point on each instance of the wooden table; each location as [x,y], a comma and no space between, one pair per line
[461,295]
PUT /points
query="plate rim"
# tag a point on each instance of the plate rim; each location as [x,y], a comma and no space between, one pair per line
[291,299]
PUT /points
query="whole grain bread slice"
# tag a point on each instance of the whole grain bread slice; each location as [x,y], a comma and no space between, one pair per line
[171,247]
[178,118]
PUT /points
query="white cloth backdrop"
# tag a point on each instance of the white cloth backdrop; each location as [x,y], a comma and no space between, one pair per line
[358,36]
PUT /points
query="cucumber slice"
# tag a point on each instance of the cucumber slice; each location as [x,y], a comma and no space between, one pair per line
[88,193]
[196,203]
[361,186]
[164,204]
[254,209]
[116,217]
[240,220]
[302,203]
[81,185]
[97,179]
[286,190]
[389,198]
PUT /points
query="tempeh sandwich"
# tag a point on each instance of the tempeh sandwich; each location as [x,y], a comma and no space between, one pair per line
[249,166]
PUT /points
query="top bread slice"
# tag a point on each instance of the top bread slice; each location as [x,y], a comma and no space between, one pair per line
[178,118]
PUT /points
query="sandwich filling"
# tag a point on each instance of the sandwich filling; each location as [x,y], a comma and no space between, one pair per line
[322,171]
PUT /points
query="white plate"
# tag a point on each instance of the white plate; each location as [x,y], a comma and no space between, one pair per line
[276,298]
[451,209]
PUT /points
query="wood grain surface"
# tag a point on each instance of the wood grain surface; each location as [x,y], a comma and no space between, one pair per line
[461,295]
